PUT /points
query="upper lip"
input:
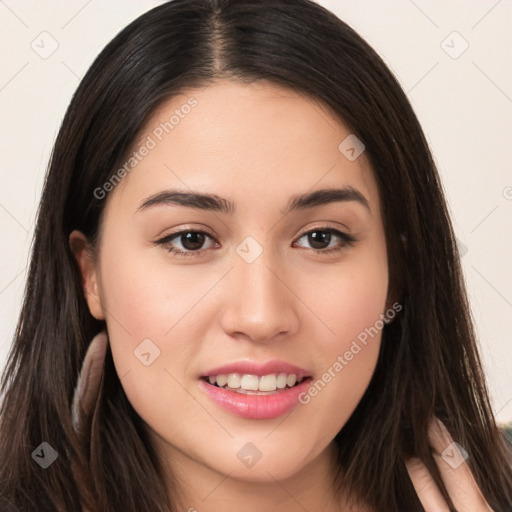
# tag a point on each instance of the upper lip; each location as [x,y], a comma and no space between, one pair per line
[259,369]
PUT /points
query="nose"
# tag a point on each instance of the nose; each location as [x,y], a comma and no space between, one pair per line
[259,303]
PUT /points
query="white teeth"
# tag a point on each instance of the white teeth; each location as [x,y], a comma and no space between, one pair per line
[234,380]
[247,382]
[281,380]
[291,380]
[221,380]
[267,383]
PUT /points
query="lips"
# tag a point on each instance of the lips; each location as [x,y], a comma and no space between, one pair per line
[256,391]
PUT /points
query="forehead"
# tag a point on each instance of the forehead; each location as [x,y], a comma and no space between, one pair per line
[250,142]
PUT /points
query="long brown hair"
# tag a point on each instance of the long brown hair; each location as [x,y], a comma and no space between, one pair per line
[428,364]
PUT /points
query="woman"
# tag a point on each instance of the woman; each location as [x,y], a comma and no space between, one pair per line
[242,213]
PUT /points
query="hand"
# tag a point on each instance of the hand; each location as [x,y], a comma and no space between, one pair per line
[88,384]
[459,480]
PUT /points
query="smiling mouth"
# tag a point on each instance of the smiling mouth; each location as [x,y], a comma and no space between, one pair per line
[247,384]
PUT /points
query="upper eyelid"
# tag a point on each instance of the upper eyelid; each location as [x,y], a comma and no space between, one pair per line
[324,227]
[176,234]
[185,230]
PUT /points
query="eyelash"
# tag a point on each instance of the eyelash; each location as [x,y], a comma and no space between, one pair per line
[347,240]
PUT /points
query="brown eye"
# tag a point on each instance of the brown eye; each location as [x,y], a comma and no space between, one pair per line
[187,242]
[320,239]
[192,240]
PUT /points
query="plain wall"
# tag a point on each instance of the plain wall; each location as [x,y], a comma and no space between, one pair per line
[462,98]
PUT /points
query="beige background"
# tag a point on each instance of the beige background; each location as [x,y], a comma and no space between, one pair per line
[462,98]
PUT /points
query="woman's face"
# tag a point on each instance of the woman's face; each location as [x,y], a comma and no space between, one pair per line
[275,280]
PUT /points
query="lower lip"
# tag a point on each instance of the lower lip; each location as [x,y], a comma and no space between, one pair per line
[256,407]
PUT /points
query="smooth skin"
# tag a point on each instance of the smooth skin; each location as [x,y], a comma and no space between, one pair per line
[257,146]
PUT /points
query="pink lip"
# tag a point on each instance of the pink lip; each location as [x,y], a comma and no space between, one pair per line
[252,368]
[255,407]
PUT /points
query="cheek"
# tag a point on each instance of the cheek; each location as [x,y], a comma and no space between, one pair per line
[156,322]
[349,358]
[144,301]
[351,303]
[351,299]
[143,294]
[146,319]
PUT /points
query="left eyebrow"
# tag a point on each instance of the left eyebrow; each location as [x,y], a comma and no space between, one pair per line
[216,203]
[326,196]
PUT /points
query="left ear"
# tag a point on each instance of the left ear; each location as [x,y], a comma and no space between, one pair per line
[89,272]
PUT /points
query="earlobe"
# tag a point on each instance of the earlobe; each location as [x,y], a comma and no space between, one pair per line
[89,273]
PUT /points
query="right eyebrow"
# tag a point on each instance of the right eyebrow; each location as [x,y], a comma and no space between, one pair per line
[190,200]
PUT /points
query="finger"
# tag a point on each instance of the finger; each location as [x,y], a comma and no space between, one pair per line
[428,493]
[89,380]
[457,477]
